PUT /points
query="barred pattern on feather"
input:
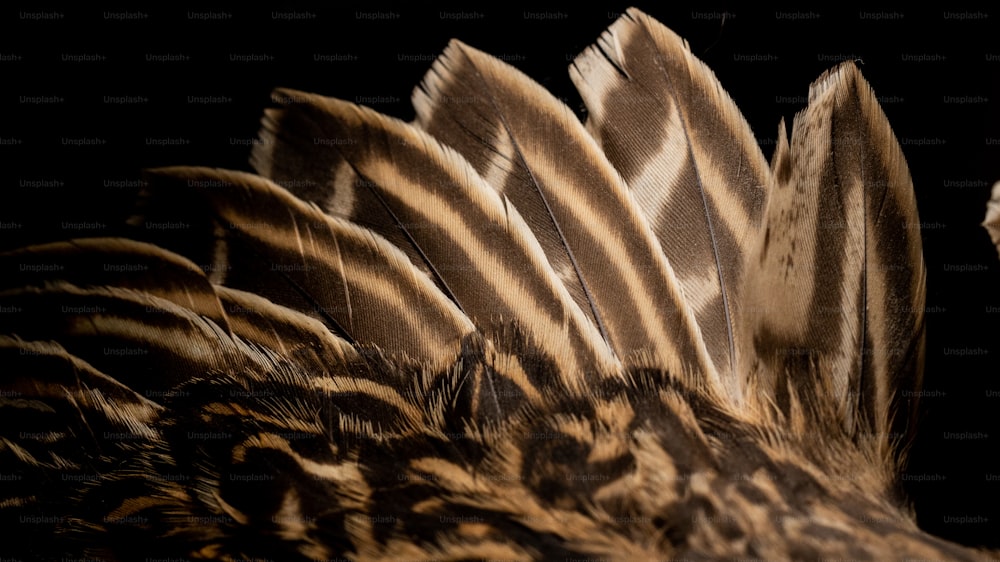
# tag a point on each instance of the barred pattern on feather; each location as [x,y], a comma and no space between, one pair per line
[496,332]
[992,221]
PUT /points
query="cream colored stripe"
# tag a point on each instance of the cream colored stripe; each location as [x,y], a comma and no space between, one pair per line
[348,472]
[621,256]
[367,387]
[500,271]
[405,295]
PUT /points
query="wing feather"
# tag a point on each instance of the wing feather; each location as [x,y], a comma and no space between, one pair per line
[520,137]
[287,333]
[270,243]
[114,262]
[837,283]
[466,233]
[125,334]
[992,221]
[689,158]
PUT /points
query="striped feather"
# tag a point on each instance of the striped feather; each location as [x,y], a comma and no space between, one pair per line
[518,137]
[63,424]
[472,240]
[298,151]
[113,262]
[409,349]
[691,161]
[267,242]
[120,332]
[836,283]
[285,332]
[992,221]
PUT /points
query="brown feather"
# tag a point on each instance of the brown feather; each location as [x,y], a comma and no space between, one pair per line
[992,221]
[519,137]
[114,262]
[270,243]
[690,160]
[468,235]
[837,281]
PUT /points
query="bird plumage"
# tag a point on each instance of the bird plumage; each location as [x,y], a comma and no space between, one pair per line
[495,332]
[992,220]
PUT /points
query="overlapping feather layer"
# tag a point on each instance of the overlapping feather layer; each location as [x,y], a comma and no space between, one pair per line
[493,332]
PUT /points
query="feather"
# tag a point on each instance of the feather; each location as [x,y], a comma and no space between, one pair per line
[114,262]
[468,235]
[123,333]
[493,333]
[519,136]
[269,243]
[287,333]
[836,281]
[297,150]
[691,162]
[992,221]
[63,422]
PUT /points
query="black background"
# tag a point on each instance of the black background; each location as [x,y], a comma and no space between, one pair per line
[937,72]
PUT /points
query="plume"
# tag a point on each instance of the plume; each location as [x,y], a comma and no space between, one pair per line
[691,162]
[992,221]
[836,281]
[494,332]
[519,137]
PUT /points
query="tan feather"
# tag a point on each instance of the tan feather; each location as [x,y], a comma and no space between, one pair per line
[270,243]
[285,332]
[468,235]
[123,333]
[519,137]
[114,262]
[298,150]
[690,160]
[71,419]
[836,282]
[992,221]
